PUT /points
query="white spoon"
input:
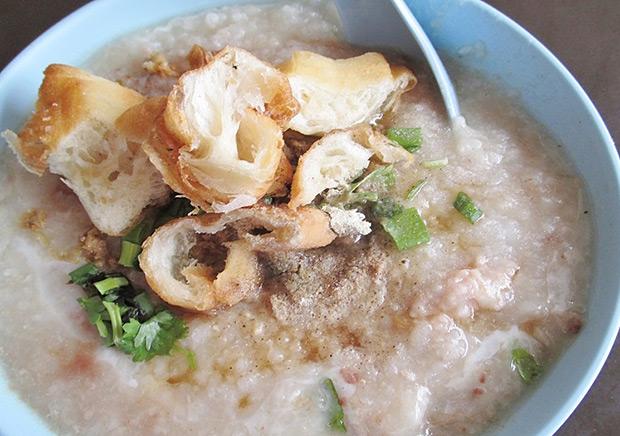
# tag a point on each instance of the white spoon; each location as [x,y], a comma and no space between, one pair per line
[390,23]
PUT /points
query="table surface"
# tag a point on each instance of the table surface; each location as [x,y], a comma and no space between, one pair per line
[582,34]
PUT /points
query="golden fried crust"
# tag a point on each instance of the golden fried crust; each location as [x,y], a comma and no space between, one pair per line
[337,158]
[178,260]
[219,139]
[68,96]
[198,57]
[163,151]
[282,229]
[137,121]
[331,162]
[182,280]
[283,178]
[341,93]
[237,70]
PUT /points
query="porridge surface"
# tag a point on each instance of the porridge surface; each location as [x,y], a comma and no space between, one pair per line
[429,354]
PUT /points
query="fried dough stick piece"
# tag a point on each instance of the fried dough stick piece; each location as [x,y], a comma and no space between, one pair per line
[205,262]
[342,93]
[72,132]
[219,139]
[339,157]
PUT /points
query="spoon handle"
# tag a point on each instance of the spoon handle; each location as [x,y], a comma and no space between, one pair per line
[441,75]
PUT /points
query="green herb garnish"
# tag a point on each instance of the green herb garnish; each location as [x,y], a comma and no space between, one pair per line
[110,283]
[154,337]
[525,364]
[84,274]
[336,414]
[362,197]
[114,313]
[410,138]
[415,189]
[96,313]
[386,207]
[384,176]
[467,208]
[132,244]
[435,163]
[126,318]
[407,229]
[132,241]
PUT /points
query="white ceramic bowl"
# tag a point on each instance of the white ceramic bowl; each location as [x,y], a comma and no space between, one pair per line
[510,57]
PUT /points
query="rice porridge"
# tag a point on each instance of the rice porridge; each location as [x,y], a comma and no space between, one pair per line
[417,342]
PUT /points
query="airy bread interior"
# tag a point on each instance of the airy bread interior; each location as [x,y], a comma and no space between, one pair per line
[221,136]
[341,93]
[73,133]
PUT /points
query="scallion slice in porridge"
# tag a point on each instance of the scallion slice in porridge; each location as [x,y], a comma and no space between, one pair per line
[110,284]
[84,274]
[415,189]
[466,207]
[334,407]
[407,229]
[132,244]
[383,176]
[435,163]
[525,364]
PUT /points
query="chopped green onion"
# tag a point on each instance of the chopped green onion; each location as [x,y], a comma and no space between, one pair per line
[129,254]
[467,208]
[415,189]
[361,197]
[382,175]
[410,138]
[525,364]
[267,200]
[101,328]
[436,163]
[84,274]
[336,414]
[138,234]
[110,284]
[407,229]
[132,244]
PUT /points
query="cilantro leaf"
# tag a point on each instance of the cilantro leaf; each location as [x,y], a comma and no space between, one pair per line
[154,337]
[126,318]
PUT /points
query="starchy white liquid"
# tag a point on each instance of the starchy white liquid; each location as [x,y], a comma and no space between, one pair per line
[430,352]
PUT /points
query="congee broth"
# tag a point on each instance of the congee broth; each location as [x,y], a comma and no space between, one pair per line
[433,277]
